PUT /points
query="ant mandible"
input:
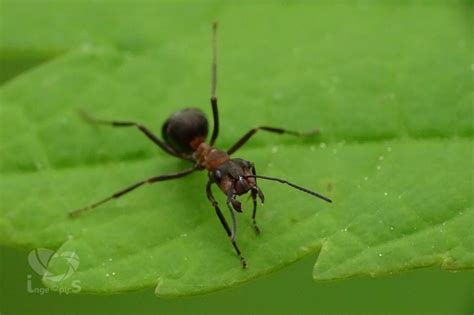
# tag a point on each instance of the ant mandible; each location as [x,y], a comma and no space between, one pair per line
[184,135]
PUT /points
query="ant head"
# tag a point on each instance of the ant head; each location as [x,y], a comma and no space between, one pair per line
[232,176]
[236,177]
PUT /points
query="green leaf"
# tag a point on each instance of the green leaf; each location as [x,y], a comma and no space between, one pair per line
[394,105]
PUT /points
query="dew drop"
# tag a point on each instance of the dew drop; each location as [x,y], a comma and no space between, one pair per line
[113,273]
[366,178]
[274,149]
[110,259]
[107,275]
[322,145]
[381,158]
[184,235]
[379,167]
[391,228]
[385,193]
[389,149]
[312,148]
[380,255]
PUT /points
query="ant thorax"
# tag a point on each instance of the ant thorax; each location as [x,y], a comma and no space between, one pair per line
[209,158]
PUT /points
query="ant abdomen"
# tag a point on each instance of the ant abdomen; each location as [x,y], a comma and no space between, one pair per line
[185,130]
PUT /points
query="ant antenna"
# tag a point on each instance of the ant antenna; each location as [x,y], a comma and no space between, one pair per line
[292,185]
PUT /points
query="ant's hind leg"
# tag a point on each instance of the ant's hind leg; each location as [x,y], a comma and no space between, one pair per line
[139,126]
[215,112]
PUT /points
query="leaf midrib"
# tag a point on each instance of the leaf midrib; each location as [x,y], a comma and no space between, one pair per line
[151,156]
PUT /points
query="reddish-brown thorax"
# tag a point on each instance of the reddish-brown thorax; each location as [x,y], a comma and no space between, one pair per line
[209,157]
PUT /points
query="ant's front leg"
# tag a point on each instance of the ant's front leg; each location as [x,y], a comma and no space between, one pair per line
[256,192]
[230,233]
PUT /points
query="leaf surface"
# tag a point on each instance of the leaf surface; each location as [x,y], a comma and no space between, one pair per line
[393,103]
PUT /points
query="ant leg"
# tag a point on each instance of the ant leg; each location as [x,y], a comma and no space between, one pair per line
[215,113]
[122,192]
[213,201]
[254,212]
[253,131]
[140,127]
[256,192]
[230,198]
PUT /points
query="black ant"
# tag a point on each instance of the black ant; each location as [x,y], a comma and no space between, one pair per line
[184,135]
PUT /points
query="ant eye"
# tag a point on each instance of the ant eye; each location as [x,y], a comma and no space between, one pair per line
[217,174]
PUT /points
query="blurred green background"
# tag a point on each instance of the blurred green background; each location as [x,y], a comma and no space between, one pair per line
[289,291]
[33,32]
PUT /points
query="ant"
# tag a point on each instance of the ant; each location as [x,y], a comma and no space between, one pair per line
[184,135]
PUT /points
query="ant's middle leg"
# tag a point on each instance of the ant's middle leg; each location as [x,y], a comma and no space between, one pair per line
[128,189]
[253,131]
[140,127]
